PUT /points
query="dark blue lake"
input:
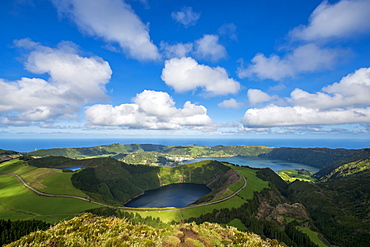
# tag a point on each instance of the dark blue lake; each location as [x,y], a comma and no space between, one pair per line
[173,195]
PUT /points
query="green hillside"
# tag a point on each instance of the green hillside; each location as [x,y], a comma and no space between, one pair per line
[115,182]
[88,230]
[316,157]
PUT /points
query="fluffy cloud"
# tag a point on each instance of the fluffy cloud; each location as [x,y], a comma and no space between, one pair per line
[74,81]
[186,16]
[342,19]
[207,48]
[343,102]
[272,116]
[178,50]
[308,52]
[230,103]
[114,21]
[149,110]
[305,58]
[185,74]
[256,96]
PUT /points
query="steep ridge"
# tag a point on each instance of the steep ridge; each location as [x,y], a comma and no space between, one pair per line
[88,230]
[345,166]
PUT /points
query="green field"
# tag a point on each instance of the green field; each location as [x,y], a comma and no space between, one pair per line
[314,236]
[238,224]
[19,203]
[253,182]
[292,175]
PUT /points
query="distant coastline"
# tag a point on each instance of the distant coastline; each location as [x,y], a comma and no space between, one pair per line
[27,145]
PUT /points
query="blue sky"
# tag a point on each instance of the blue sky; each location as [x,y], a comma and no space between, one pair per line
[137,68]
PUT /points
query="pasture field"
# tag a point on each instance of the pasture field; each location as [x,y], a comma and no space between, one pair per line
[238,224]
[60,183]
[17,202]
[15,166]
[253,182]
[292,175]
[314,236]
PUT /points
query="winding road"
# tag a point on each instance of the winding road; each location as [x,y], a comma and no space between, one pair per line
[128,209]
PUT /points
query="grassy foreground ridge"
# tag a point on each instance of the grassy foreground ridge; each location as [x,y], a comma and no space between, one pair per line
[87,230]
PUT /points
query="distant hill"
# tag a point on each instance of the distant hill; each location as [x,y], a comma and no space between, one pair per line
[152,154]
[149,154]
[316,157]
[6,155]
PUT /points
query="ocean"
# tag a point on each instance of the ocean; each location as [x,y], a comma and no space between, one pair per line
[27,145]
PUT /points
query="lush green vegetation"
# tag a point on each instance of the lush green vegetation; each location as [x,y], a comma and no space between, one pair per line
[11,231]
[115,182]
[88,230]
[339,209]
[314,236]
[6,155]
[316,157]
[299,174]
[254,184]
[17,202]
[152,154]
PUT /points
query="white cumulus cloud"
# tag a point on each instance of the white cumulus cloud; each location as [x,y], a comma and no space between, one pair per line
[309,44]
[185,74]
[340,20]
[150,110]
[178,50]
[346,101]
[186,16]
[74,81]
[114,21]
[256,96]
[230,103]
[208,48]
[305,58]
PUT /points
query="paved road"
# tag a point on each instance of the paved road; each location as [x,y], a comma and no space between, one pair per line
[128,209]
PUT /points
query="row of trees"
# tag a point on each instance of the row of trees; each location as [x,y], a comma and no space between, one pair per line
[11,231]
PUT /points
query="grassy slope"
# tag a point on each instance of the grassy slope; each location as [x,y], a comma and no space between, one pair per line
[292,175]
[87,230]
[238,224]
[253,182]
[314,236]
[17,202]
